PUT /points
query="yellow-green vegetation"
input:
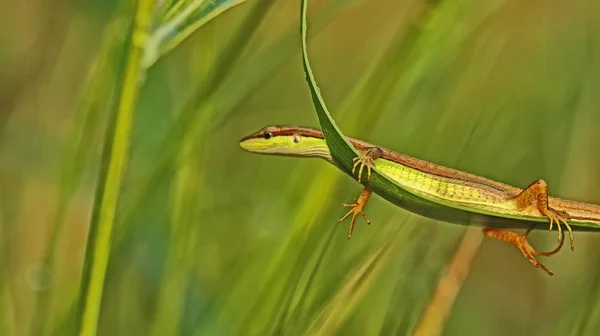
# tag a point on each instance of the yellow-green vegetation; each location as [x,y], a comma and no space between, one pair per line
[119,139]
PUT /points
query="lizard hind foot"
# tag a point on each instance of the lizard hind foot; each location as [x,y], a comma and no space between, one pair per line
[521,242]
[560,217]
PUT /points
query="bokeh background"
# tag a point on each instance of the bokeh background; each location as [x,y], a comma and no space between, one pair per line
[211,240]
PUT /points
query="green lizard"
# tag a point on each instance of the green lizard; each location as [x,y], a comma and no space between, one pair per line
[434,182]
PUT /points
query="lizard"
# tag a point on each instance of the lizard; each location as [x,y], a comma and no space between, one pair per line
[433,182]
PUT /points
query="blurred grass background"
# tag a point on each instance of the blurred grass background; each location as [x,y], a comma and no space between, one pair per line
[211,240]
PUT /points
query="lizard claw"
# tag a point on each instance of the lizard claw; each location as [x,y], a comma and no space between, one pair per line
[560,217]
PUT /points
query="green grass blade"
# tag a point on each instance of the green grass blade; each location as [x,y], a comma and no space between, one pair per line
[181,22]
[116,152]
[343,153]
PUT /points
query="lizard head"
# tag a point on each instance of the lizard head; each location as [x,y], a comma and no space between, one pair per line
[288,141]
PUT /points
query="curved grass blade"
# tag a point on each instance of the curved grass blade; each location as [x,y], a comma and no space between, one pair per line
[343,153]
[180,21]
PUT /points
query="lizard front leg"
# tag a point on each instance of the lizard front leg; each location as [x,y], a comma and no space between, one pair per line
[538,192]
[357,208]
[520,241]
[365,159]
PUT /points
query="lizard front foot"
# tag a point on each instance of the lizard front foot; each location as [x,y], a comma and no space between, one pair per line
[357,208]
[365,159]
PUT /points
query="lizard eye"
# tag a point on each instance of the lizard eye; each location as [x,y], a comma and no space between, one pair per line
[268,135]
[296,138]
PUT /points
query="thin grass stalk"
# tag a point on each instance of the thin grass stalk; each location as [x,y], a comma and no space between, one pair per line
[434,317]
[116,151]
[96,92]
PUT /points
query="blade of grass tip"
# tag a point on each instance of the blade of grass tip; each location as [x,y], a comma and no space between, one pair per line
[96,93]
[116,149]
[355,286]
[433,319]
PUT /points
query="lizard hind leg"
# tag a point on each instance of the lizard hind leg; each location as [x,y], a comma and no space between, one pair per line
[520,241]
[538,192]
